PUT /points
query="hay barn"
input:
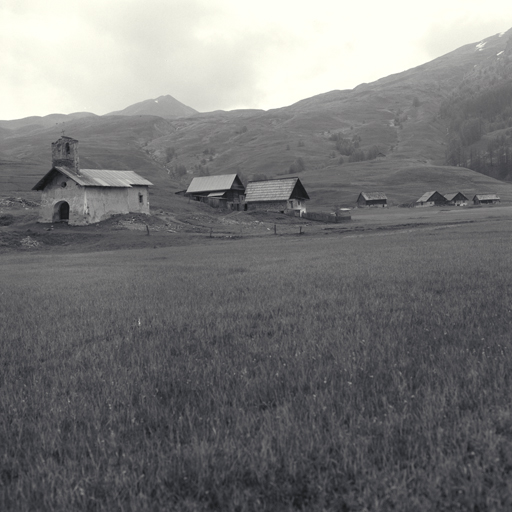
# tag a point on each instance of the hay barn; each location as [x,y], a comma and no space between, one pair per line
[86,196]
[456,199]
[279,195]
[486,199]
[375,199]
[431,199]
[224,191]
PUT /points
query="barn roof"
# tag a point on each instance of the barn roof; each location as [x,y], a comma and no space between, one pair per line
[452,195]
[95,178]
[275,190]
[427,196]
[214,183]
[487,197]
[372,196]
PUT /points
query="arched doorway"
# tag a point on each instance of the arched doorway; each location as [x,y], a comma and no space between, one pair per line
[61,212]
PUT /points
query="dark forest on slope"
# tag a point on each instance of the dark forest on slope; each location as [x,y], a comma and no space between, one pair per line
[479,116]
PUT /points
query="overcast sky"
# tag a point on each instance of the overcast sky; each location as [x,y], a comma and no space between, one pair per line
[103,55]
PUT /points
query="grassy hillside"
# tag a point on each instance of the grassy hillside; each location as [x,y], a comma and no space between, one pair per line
[390,135]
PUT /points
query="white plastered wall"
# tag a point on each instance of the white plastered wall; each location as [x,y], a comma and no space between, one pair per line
[88,205]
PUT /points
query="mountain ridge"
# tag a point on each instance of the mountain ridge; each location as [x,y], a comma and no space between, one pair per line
[339,142]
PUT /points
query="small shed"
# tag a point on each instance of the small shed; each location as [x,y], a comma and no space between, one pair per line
[372,199]
[281,195]
[486,199]
[224,190]
[432,198]
[86,196]
[456,199]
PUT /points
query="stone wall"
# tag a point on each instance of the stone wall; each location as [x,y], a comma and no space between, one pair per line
[65,154]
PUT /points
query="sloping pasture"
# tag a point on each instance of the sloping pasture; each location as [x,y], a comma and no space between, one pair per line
[364,371]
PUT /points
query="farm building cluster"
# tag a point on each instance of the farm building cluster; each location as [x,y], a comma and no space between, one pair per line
[227,191]
[435,198]
[431,198]
[85,196]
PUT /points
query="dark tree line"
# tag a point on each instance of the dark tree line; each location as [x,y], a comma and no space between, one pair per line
[473,118]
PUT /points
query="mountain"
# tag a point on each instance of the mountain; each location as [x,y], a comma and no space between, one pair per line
[163,106]
[393,135]
[37,122]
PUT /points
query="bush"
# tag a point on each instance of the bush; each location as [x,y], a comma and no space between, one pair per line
[6,220]
[297,166]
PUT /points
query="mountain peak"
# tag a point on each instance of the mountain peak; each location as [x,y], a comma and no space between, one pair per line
[163,106]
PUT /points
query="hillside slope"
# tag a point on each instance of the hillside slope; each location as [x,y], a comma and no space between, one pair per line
[390,135]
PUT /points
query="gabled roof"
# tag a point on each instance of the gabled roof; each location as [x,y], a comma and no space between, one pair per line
[67,138]
[372,196]
[275,190]
[452,195]
[427,196]
[215,183]
[95,178]
[487,197]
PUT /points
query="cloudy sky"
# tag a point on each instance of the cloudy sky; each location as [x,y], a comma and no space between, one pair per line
[103,55]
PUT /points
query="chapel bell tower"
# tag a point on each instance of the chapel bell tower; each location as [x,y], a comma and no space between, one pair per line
[65,154]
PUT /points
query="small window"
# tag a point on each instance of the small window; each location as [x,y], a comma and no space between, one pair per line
[63,184]
[141,199]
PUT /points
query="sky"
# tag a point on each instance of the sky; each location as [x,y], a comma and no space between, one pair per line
[104,55]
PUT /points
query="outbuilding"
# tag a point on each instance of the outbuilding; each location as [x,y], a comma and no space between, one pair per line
[224,190]
[279,195]
[456,199]
[86,196]
[378,199]
[486,199]
[432,198]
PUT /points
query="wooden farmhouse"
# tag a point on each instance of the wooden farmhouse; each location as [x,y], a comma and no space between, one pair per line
[486,199]
[85,196]
[279,195]
[225,190]
[431,199]
[372,199]
[456,199]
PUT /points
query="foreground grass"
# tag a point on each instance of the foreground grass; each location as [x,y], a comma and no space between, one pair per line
[356,373]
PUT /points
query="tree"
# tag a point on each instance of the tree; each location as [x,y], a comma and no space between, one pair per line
[170,153]
[297,166]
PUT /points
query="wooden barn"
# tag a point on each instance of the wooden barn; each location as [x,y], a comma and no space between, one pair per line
[86,196]
[431,199]
[279,195]
[378,199]
[486,199]
[225,190]
[456,199]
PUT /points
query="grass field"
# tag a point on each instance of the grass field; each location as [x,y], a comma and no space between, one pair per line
[350,372]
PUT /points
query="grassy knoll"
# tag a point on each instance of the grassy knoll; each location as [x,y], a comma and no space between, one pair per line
[370,372]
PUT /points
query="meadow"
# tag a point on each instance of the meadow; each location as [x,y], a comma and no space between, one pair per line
[359,372]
